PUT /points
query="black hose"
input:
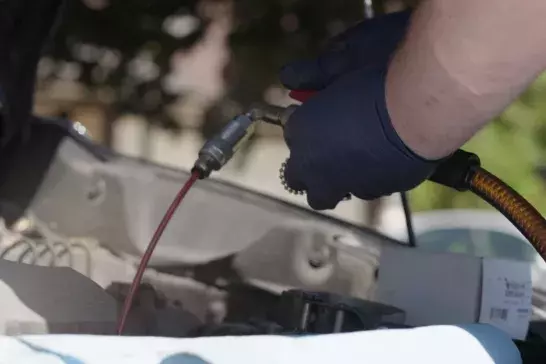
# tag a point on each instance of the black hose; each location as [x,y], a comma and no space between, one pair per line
[408,217]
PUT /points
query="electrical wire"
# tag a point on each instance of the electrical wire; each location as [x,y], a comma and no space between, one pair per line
[21,242]
[65,250]
[150,250]
[33,245]
[88,255]
[408,217]
[46,248]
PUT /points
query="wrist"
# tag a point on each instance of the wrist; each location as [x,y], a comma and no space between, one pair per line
[390,130]
[423,114]
[412,133]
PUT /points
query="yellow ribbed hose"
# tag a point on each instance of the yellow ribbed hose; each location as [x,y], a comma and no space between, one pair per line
[512,205]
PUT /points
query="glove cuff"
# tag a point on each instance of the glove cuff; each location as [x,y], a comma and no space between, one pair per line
[390,132]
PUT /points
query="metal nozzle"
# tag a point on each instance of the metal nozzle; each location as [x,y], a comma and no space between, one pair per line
[218,151]
[271,114]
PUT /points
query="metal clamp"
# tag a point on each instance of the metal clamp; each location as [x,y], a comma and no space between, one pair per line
[285,184]
[293,191]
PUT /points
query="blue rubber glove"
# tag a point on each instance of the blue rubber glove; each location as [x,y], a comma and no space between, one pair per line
[342,140]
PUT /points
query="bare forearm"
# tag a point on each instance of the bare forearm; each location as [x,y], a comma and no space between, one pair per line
[462,63]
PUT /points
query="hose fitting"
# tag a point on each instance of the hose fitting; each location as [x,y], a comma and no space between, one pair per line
[220,149]
[272,114]
[456,171]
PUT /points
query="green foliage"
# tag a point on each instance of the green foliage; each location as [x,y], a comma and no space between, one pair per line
[513,147]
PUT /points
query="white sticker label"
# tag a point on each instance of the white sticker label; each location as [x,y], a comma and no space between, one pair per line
[506,296]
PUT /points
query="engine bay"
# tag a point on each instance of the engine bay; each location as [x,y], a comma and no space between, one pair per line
[293,271]
[85,208]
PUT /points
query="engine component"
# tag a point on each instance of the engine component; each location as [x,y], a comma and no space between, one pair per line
[303,312]
[320,312]
[152,314]
[40,300]
[30,241]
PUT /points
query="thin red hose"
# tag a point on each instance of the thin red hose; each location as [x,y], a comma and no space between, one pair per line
[150,250]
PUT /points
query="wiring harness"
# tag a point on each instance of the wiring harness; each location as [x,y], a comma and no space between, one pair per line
[30,241]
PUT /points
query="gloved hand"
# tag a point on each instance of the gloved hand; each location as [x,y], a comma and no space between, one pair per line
[342,140]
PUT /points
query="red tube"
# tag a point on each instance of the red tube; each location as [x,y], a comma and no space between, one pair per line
[150,250]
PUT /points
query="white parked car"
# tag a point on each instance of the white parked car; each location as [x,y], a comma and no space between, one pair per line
[480,233]
[477,232]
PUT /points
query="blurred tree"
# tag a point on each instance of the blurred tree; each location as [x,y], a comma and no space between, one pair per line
[128,46]
[124,49]
[121,51]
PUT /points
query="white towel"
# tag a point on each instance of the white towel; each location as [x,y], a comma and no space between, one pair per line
[476,344]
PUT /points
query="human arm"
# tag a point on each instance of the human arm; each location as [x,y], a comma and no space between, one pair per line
[461,64]
[370,136]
